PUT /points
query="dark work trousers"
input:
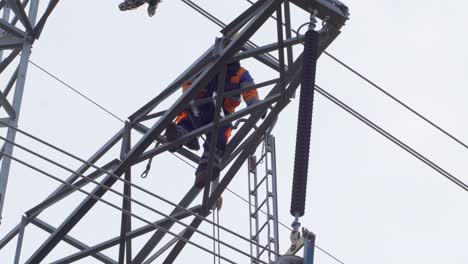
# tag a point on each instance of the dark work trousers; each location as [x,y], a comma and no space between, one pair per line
[205,117]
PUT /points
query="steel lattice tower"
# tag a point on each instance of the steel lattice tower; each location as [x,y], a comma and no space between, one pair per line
[134,150]
[14,40]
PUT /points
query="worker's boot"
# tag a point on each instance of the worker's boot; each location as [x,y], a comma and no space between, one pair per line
[152,5]
[201,174]
[174,132]
[130,4]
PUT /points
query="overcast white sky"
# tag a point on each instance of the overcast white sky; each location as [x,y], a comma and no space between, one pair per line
[368,201]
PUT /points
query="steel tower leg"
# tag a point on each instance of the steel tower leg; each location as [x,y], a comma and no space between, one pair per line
[14,108]
[3,33]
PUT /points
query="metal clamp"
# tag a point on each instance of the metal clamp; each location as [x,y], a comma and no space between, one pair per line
[312,23]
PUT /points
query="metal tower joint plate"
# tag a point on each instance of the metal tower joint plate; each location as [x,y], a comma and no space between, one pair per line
[332,11]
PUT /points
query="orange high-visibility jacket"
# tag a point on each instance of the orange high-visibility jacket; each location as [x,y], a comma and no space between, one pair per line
[239,80]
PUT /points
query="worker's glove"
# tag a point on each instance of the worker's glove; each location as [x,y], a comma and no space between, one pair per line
[252,102]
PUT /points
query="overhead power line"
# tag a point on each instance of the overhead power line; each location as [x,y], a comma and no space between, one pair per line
[412,110]
[126,212]
[117,178]
[142,204]
[392,138]
[76,91]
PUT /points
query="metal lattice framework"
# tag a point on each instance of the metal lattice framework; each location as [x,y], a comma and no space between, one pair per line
[14,40]
[18,31]
[250,132]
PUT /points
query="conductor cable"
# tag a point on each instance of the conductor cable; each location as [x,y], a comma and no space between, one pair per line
[136,201]
[113,206]
[393,139]
[126,197]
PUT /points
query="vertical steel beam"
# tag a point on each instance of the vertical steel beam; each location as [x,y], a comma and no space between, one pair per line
[253,205]
[6,17]
[19,244]
[271,147]
[287,22]
[126,203]
[309,247]
[127,191]
[216,229]
[17,100]
[279,31]
[219,99]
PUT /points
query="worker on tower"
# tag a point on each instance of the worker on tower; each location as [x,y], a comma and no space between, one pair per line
[133,4]
[236,78]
